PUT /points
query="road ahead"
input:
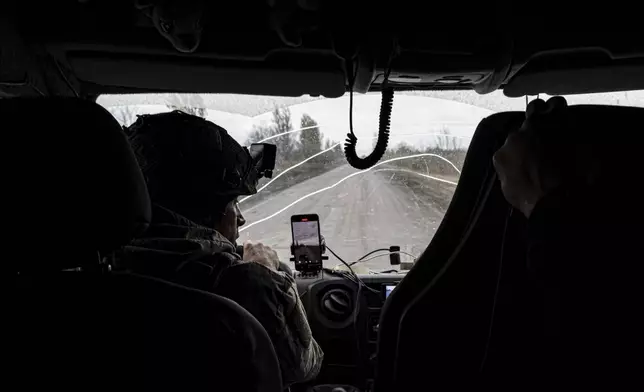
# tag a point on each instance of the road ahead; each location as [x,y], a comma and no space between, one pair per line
[367,211]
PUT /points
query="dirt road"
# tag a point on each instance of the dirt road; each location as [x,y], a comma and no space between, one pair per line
[367,211]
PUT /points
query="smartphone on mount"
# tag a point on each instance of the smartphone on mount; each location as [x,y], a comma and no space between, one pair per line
[307,243]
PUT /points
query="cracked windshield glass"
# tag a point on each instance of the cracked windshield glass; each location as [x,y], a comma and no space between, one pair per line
[400,201]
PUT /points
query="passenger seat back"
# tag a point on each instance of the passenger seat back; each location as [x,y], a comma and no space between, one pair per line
[468,308]
[75,193]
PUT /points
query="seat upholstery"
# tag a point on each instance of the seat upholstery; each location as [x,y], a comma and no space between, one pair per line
[446,325]
[70,178]
[125,332]
[75,192]
[464,314]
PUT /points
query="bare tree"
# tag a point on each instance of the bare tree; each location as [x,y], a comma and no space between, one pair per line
[457,143]
[446,141]
[187,103]
[374,140]
[258,133]
[311,139]
[125,115]
[333,157]
[442,140]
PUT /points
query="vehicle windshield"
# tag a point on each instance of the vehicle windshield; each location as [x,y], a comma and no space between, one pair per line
[401,201]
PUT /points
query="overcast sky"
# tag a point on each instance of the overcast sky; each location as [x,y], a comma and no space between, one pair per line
[415,117]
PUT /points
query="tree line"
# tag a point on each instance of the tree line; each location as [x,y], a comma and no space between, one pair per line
[294,147]
[445,145]
[193,104]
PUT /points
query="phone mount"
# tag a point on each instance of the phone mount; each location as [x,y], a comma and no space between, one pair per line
[308,259]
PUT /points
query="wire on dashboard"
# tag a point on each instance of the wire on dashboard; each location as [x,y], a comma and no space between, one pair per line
[389,252]
[351,275]
[356,306]
[385,254]
[370,253]
[341,260]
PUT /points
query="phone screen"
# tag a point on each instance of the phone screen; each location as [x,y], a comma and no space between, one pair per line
[306,242]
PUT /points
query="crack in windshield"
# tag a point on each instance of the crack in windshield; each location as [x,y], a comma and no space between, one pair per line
[248,226]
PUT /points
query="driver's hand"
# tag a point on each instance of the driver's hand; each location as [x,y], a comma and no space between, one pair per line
[261,254]
[526,167]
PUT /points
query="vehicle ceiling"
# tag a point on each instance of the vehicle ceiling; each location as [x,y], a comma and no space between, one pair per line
[296,47]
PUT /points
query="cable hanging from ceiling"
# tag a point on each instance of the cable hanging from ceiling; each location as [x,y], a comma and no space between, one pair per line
[386,105]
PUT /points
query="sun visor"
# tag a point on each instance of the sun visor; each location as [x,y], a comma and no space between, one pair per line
[154,74]
[577,81]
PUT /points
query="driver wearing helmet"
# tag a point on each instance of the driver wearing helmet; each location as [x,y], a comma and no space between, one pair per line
[194,172]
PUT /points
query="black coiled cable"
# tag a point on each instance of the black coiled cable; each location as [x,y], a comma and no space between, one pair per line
[383,133]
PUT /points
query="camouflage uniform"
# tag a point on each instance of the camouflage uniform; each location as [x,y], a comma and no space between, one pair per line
[177,249]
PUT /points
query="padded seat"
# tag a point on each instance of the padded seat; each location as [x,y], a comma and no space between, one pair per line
[467,310]
[74,193]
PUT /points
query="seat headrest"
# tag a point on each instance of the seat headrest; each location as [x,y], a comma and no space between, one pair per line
[71,181]
[601,138]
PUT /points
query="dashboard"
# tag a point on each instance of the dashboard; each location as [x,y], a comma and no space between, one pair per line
[344,320]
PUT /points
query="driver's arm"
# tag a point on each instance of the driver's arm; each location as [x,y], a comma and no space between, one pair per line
[271,296]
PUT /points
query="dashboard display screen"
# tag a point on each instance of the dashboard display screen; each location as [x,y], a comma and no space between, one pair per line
[388,289]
